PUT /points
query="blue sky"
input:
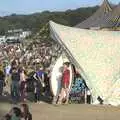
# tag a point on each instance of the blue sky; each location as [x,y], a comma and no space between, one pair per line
[31,6]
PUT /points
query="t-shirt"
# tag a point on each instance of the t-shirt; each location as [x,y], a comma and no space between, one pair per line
[15,76]
[7,70]
[39,73]
[88,92]
[15,118]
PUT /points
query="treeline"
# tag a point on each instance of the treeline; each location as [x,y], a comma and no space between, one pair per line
[36,21]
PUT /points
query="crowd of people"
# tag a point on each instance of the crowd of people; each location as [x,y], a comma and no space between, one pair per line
[26,69]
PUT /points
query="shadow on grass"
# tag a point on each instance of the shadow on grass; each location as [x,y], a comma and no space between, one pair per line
[30,97]
[45,99]
[2,113]
[5,99]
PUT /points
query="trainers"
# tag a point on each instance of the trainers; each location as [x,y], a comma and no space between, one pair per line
[59,103]
[40,102]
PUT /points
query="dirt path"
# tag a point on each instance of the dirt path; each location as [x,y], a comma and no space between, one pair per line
[46,111]
[70,112]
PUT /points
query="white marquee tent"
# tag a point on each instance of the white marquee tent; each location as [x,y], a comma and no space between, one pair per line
[97,56]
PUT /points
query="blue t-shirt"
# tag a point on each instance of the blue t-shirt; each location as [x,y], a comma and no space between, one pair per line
[39,73]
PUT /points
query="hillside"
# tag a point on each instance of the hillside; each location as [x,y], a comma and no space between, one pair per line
[36,21]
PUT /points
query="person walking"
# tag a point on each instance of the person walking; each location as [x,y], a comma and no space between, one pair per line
[65,83]
[23,84]
[38,84]
[15,85]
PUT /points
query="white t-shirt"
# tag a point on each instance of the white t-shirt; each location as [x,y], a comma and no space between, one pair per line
[7,69]
[88,92]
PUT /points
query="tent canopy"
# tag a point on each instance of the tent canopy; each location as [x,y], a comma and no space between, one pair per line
[112,19]
[97,55]
[98,17]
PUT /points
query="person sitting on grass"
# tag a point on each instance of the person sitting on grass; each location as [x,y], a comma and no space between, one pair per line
[26,115]
[6,117]
[15,113]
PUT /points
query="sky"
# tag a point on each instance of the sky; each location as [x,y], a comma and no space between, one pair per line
[31,6]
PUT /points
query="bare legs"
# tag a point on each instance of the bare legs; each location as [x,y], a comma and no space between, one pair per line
[64,94]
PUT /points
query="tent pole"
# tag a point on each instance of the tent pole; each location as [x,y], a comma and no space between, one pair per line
[85,96]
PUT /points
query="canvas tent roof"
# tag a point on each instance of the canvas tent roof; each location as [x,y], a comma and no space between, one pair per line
[94,20]
[113,19]
[97,55]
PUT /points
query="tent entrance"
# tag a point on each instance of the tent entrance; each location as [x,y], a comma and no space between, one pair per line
[79,93]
